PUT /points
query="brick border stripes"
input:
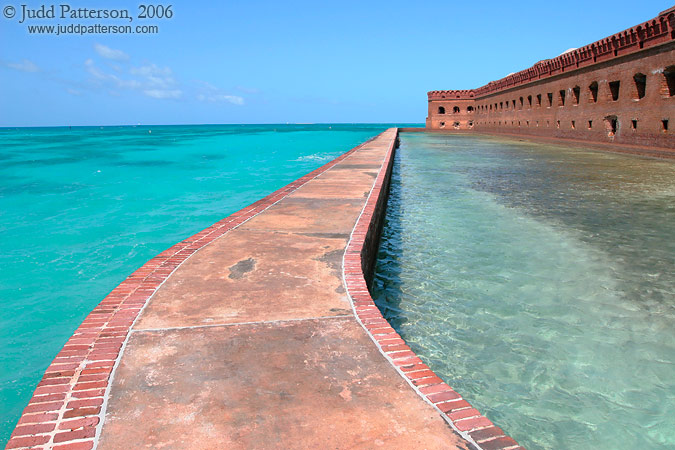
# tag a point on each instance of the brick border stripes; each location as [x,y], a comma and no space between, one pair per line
[358,263]
[66,408]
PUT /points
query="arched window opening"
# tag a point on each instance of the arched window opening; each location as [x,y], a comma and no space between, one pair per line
[593,89]
[561,98]
[611,125]
[521,102]
[576,91]
[441,110]
[550,99]
[469,109]
[455,109]
[538,99]
[640,80]
[529,101]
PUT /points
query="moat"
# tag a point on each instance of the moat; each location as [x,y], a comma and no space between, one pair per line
[537,281]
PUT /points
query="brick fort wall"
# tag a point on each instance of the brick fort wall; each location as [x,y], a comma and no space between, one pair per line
[619,90]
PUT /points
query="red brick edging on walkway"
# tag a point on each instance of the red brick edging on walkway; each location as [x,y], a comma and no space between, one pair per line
[359,258]
[66,408]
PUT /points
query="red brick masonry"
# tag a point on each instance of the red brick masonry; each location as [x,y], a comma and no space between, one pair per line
[65,411]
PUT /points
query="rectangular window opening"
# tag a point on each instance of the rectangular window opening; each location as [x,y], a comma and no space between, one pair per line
[669,81]
[577,93]
[640,80]
[664,124]
[550,99]
[593,89]
[561,99]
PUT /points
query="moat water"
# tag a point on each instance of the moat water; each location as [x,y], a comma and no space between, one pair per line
[539,282]
[81,209]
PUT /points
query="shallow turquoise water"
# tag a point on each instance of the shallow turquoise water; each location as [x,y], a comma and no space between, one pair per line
[539,282]
[81,209]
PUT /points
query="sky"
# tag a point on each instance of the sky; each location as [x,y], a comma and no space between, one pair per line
[284,61]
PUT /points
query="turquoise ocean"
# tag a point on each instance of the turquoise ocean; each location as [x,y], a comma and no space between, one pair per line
[82,208]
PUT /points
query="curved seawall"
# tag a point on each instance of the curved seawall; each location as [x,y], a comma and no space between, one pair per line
[256,332]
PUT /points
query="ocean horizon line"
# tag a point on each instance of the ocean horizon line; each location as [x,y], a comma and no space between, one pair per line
[9,127]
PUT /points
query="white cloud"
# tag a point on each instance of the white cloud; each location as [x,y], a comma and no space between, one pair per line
[110,53]
[72,91]
[210,93]
[234,99]
[151,70]
[24,66]
[160,93]
[155,76]
[102,77]
[149,79]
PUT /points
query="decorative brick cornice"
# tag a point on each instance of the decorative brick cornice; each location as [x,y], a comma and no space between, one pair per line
[461,94]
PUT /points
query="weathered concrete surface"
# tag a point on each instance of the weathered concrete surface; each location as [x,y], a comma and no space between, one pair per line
[252,342]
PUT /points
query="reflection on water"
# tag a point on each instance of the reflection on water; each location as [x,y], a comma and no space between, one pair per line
[538,281]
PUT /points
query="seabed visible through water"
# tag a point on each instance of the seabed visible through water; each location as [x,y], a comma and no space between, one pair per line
[538,281]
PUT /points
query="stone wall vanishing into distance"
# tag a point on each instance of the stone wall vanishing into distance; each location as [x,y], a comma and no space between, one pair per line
[617,90]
